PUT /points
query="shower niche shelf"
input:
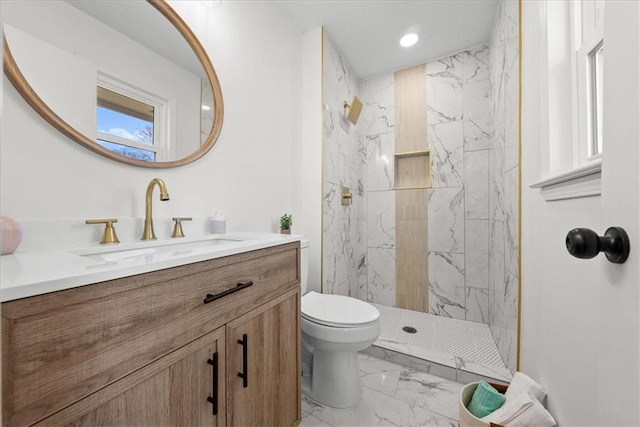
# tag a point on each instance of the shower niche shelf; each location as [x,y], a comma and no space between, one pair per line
[412,170]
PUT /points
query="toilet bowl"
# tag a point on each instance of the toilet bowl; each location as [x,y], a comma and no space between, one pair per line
[334,329]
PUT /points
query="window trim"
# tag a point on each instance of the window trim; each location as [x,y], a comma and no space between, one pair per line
[586,99]
[582,181]
[161,144]
[583,177]
[129,143]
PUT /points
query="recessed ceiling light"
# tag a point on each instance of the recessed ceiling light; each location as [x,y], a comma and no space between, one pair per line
[409,40]
[206,107]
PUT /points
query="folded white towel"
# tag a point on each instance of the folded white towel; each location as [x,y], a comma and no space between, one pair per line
[522,384]
[511,408]
[521,411]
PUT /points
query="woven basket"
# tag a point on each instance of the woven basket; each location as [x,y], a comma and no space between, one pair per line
[465,418]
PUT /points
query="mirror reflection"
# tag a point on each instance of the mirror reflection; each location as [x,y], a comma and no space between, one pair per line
[119,73]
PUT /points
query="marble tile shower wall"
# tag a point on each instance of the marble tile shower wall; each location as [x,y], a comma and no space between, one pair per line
[458,123]
[458,209]
[344,161]
[503,179]
[379,120]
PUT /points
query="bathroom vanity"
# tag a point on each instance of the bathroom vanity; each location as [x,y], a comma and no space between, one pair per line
[212,342]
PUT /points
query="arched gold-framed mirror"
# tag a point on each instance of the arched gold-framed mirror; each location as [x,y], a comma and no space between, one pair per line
[210,126]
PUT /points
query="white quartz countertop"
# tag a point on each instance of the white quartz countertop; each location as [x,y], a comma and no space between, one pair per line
[34,272]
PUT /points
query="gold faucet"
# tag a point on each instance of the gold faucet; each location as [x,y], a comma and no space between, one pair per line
[148,233]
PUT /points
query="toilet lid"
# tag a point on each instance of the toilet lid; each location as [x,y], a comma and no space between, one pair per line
[337,310]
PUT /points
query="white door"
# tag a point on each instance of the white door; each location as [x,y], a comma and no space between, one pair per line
[580,324]
[618,334]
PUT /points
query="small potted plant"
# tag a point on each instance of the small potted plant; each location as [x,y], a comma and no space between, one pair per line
[285,224]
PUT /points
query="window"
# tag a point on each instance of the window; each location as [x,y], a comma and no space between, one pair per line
[572,57]
[129,121]
[595,99]
[125,125]
[588,45]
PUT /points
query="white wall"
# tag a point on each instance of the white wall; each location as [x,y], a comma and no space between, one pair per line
[557,348]
[73,96]
[309,189]
[248,174]
[579,330]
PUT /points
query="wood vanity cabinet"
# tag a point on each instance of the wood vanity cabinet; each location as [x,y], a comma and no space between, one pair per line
[148,351]
[256,349]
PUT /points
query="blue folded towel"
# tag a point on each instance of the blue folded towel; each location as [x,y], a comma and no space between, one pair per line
[485,400]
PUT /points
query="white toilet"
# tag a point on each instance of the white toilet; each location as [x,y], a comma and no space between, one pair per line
[334,329]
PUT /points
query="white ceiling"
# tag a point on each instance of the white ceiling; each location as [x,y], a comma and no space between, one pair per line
[141,22]
[367,32]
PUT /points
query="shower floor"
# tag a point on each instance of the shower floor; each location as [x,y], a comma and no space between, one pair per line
[460,350]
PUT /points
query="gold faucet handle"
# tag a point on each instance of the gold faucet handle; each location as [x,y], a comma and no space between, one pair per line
[346,196]
[109,236]
[177,228]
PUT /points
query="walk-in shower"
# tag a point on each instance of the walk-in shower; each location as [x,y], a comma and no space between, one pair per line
[431,235]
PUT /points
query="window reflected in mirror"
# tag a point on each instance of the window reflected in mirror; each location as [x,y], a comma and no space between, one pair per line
[126,126]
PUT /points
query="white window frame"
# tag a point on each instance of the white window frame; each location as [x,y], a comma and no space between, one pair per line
[570,168]
[588,34]
[161,142]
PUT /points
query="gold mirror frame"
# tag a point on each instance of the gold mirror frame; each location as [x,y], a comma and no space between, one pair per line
[18,80]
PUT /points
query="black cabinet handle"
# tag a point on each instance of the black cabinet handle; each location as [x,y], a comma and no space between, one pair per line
[240,286]
[214,382]
[584,243]
[244,375]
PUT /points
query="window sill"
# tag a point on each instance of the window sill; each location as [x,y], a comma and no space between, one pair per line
[583,181]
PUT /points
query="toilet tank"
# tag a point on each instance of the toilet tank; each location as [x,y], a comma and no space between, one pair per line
[304,265]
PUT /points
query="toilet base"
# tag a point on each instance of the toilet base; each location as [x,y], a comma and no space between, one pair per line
[335,379]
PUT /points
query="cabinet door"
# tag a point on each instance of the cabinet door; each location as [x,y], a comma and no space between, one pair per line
[172,391]
[263,346]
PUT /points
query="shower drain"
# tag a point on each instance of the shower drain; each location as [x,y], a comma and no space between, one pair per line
[410,329]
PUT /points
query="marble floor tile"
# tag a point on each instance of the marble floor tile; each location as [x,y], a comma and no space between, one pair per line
[429,392]
[397,395]
[378,374]
[311,421]
[375,409]
[387,410]
[413,357]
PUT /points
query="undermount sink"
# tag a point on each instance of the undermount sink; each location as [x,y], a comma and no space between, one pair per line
[157,251]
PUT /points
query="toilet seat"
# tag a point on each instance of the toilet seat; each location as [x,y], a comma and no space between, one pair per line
[338,311]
